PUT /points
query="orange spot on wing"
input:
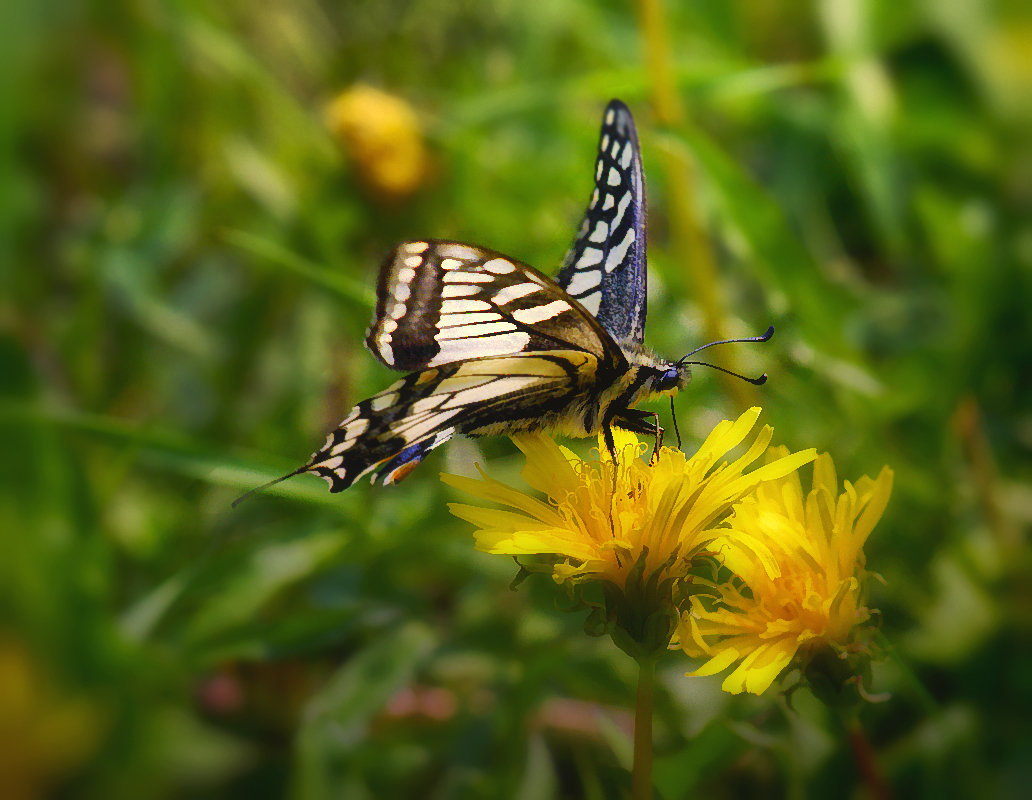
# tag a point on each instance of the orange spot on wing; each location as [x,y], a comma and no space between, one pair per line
[402,472]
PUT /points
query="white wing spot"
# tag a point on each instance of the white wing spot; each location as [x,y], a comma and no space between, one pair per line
[460,251]
[442,437]
[416,247]
[451,263]
[584,280]
[463,306]
[467,331]
[592,302]
[616,149]
[616,255]
[622,208]
[610,116]
[528,316]
[600,233]
[356,428]
[598,170]
[608,204]
[589,258]
[389,326]
[459,290]
[614,177]
[594,198]
[515,292]
[406,274]
[625,162]
[413,261]
[468,277]
[499,266]
[465,319]
[428,403]
[605,142]
[337,449]
[463,349]
[382,401]
[402,292]
[397,311]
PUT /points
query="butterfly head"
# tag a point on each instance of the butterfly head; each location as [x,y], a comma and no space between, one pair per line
[654,375]
[671,378]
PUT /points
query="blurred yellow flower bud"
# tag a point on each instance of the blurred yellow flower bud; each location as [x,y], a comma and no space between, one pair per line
[382,136]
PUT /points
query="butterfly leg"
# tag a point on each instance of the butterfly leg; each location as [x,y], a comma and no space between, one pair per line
[607,434]
[642,422]
[659,437]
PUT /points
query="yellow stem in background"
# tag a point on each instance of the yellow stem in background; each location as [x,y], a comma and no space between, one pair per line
[690,244]
[665,98]
[641,771]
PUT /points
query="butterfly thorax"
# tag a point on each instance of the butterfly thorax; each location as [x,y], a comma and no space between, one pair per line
[651,375]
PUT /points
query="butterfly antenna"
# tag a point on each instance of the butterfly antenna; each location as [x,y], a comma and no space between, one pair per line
[764,338]
[268,485]
[754,381]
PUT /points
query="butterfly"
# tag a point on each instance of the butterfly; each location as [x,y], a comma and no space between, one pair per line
[492,346]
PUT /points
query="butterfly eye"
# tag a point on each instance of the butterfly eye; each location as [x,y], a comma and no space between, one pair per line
[667,379]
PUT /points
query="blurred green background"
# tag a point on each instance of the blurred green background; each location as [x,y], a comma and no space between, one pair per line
[194,200]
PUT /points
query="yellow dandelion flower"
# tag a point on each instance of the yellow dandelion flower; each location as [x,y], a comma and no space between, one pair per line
[382,135]
[635,528]
[809,599]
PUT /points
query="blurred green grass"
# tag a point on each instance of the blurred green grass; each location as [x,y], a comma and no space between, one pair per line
[188,258]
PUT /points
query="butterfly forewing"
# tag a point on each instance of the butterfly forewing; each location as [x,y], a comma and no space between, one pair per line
[493,346]
[605,267]
[390,433]
[443,302]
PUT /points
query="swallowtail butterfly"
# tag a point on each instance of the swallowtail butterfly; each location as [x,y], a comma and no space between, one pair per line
[493,346]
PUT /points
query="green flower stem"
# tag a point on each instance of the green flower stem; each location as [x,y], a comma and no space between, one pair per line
[641,771]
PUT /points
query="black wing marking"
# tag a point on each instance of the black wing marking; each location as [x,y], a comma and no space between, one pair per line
[442,302]
[605,267]
[390,433]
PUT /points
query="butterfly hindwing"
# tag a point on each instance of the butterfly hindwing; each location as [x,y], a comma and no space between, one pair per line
[442,302]
[605,267]
[390,433]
